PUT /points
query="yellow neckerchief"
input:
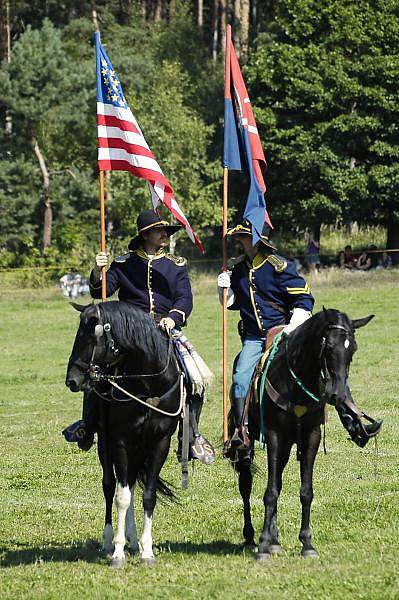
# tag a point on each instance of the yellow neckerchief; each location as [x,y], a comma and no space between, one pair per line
[143,254]
[259,259]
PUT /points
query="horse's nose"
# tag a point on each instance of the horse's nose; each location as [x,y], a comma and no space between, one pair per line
[71,383]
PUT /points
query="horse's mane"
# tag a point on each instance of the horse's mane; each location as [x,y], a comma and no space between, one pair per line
[313,328]
[133,329]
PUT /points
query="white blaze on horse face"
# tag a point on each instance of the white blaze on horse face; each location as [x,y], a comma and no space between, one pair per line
[122,501]
[108,534]
[146,538]
[346,343]
[131,530]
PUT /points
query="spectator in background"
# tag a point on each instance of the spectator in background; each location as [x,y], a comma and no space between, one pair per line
[385,261]
[341,260]
[364,261]
[313,256]
[373,253]
[350,260]
[296,262]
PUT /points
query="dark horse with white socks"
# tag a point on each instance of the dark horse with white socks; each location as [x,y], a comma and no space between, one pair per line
[118,347]
[309,369]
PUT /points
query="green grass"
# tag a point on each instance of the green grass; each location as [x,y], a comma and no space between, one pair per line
[51,499]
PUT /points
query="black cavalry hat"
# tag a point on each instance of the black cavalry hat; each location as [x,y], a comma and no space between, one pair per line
[245,228]
[149,219]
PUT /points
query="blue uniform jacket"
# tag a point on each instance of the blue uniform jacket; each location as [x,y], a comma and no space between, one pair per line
[158,285]
[266,290]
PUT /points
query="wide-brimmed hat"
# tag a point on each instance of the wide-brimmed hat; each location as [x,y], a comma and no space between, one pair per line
[147,220]
[245,228]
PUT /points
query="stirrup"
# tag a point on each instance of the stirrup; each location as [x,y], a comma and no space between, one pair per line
[238,448]
[78,433]
[75,432]
[202,450]
[364,433]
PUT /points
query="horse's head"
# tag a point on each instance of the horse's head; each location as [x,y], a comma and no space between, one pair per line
[338,346]
[90,349]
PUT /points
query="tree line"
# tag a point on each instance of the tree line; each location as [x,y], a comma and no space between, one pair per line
[322,78]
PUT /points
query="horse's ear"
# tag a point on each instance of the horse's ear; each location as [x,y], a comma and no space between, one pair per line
[361,322]
[325,312]
[79,307]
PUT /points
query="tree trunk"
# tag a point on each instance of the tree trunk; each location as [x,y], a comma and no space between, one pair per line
[48,210]
[215,21]
[244,27]
[237,27]
[200,13]
[5,51]
[158,11]
[223,21]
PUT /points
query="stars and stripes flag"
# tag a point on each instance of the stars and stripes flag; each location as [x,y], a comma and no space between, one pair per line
[121,144]
[242,149]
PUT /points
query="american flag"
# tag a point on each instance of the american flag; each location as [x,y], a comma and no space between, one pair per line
[121,144]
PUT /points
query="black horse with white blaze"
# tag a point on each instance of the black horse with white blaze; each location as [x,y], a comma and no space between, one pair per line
[310,368]
[121,355]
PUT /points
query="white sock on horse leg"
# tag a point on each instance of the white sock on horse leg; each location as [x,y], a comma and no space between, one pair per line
[146,537]
[122,501]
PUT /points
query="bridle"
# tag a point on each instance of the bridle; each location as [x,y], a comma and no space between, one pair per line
[325,373]
[96,374]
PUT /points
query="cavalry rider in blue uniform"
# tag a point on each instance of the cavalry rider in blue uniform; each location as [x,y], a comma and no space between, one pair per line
[156,282]
[268,291]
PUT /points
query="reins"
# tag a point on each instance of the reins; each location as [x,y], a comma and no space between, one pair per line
[97,375]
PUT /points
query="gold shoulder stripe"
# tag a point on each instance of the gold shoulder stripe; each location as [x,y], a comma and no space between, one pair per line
[278,263]
[178,260]
[122,258]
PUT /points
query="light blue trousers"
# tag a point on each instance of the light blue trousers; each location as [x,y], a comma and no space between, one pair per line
[252,349]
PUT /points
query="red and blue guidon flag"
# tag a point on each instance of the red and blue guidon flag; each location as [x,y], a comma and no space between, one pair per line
[242,150]
[121,144]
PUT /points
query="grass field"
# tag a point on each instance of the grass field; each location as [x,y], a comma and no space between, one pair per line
[52,504]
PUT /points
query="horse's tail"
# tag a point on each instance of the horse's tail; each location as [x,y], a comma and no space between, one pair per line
[164,489]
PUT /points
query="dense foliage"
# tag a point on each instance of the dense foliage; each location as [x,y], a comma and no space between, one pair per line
[321,76]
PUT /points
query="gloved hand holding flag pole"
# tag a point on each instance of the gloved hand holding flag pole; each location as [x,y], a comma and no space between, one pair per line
[122,146]
[242,151]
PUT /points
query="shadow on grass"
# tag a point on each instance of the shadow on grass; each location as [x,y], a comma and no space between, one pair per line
[217,547]
[91,552]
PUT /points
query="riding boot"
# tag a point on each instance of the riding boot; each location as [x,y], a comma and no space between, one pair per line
[238,448]
[90,418]
[82,431]
[359,433]
[200,447]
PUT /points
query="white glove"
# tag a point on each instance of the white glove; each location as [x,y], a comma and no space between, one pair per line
[299,316]
[102,260]
[224,279]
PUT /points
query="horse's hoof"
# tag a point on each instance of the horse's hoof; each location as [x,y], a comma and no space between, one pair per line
[148,562]
[117,563]
[262,557]
[275,549]
[249,545]
[108,551]
[134,550]
[309,553]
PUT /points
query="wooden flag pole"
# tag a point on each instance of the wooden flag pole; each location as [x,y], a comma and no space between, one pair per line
[102,230]
[224,249]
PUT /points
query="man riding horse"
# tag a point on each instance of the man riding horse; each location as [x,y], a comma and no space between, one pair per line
[268,291]
[156,282]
